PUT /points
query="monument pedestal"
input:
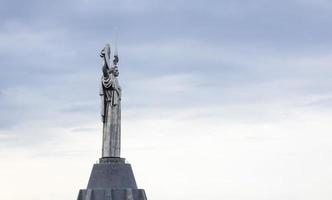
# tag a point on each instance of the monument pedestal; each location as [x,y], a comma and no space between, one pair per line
[112,179]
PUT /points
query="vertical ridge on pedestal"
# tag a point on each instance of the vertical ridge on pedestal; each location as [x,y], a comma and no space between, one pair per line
[88,194]
[108,194]
[129,194]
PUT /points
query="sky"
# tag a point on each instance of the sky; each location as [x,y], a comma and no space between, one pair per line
[221,99]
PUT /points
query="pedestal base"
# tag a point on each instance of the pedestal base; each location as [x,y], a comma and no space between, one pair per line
[112,179]
[112,194]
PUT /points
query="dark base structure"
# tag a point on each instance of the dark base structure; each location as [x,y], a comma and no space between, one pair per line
[112,179]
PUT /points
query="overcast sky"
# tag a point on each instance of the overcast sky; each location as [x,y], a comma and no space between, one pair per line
[222,99]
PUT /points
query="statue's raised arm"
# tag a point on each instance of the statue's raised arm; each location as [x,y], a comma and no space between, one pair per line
[106,54]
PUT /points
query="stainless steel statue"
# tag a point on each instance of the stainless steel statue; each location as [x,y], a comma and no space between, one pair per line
[110,93]
[111,178]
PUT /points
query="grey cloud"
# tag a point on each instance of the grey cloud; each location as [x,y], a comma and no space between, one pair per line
[261,22]
[233,52]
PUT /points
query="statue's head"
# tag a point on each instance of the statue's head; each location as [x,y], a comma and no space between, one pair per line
[106,51]
[115,71]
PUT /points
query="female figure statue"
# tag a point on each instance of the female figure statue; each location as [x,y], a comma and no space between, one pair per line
[110,93]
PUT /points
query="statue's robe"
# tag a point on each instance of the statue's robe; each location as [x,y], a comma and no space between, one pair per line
[110,93]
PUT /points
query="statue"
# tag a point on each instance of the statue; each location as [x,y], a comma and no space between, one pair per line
[110,93]
[111,178]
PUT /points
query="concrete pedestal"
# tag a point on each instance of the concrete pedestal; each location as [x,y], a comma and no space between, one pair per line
[112,179]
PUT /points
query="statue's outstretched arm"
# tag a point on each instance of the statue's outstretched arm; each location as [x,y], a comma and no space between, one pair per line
[105,54]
